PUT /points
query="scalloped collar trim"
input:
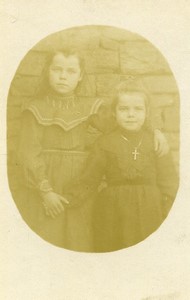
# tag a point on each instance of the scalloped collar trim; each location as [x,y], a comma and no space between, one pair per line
[58,118]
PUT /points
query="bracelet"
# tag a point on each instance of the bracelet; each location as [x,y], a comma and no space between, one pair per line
[44,186]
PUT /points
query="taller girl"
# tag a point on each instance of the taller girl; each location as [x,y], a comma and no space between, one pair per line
[52,150]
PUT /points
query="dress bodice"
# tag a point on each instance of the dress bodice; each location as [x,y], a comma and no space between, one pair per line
[120,164]
[65,112]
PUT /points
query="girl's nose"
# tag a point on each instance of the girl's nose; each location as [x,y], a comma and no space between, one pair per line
[130,112]
[63,74]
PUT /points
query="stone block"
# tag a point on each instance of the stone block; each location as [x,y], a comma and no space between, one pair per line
[171,119]
[173,140]
[106,100]
[81,38]
[24,85]
[155,117]
[87,37]
[176,159]
[162,100]
[160,84]
[119,34]
[141,58]
[107,43]
[176,98]
[50,43]
[106,84]
[32,64]
[87,86]
[101,61]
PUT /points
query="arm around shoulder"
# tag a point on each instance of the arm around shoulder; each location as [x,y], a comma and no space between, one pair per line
[103,120]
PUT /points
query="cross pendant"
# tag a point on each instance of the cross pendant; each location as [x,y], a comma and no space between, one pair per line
[135,153]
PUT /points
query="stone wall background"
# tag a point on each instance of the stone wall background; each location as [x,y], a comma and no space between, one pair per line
[111,55]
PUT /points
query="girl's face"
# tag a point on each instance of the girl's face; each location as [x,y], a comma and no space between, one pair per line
[131,111]
[64,73]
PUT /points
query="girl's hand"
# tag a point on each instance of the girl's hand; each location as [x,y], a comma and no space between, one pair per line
[53,203]
[161,145]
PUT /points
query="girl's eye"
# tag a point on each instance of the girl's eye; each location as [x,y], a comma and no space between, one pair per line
[71,71]
[56,69]
[124,108]
[139,108]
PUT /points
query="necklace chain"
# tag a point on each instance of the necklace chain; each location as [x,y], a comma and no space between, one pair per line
[135,152]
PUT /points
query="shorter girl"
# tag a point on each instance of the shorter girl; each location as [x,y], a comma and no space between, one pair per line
[139,184]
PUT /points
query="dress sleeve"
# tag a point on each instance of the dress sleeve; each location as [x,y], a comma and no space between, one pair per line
[103,120]
[84,187]
[30,153]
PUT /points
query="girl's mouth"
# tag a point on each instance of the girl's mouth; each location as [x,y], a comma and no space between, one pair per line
[62,84]
[130,122]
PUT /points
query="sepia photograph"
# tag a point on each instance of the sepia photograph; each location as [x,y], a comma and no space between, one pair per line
[94,150]
[93,138]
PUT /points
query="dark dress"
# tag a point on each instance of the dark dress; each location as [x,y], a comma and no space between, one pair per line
[131,204]
[55,137]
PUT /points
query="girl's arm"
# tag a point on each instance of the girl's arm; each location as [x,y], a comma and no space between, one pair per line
[103,120]
[33,166]
[155,124]
[30,153]
[161,145]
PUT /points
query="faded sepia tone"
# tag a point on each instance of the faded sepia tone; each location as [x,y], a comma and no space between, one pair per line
[111,56]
